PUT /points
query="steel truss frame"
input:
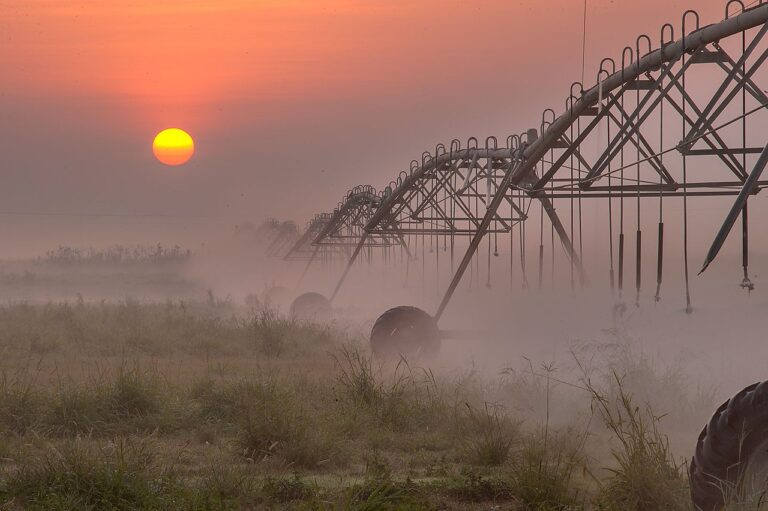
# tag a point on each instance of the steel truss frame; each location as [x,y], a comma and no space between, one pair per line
[650,129]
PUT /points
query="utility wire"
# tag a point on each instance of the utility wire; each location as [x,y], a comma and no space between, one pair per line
[584,42]
[105,215]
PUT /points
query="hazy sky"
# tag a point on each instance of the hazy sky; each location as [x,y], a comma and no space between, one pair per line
[291,102]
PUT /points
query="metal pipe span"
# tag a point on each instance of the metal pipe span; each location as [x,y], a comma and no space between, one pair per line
[706,35]
[532,152]
[463,154]
[350,201]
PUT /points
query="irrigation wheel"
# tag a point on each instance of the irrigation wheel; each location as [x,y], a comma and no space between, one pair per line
[311,306]
[731,459]
[405,331]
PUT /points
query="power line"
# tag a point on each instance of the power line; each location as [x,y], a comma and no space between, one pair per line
[584,42]
[106,215]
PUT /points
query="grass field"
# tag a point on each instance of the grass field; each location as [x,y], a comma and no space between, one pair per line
[212,405]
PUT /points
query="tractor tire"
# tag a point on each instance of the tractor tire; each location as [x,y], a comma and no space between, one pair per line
[731,458]
[311,307]
[407,332]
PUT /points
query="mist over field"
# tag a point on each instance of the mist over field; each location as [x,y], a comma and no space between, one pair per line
[236,274]
[156,346]
[718,346]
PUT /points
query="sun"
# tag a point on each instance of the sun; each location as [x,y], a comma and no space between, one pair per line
[173,146]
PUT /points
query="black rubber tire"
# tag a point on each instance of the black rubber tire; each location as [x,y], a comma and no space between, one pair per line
[405,331]
[736,435]
[311,306]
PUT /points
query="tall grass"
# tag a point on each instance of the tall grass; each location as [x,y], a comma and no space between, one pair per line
[646,476]
[20,402]
[206,406]
[121,475]
[274,423]
[489,434]
[132,327]
[545,468]
[400,398]
[131,400]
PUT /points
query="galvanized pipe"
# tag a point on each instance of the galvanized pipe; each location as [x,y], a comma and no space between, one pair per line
[736,209]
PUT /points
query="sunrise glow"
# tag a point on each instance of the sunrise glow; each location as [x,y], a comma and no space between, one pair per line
[173,146]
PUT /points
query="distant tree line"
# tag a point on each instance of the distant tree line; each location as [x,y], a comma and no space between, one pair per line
[116,255]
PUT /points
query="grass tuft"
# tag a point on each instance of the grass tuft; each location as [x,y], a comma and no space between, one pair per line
[272,423]
[646,475]
[489,434]
[20,403]
[472,486]
[77,475]
[544,469]
[128,402]
[286,489]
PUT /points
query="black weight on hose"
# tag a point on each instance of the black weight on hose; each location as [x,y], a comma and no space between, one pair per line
[405,331]
[311,306]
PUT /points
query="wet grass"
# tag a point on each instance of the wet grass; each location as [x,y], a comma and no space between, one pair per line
[210,406]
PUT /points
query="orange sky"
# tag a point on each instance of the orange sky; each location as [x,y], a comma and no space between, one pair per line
[176,53]
[182,50]
[165,55]
[322,94]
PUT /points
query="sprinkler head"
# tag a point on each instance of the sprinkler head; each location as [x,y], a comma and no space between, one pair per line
[747,284]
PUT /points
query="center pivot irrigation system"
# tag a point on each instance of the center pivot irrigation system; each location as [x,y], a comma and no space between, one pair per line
[668,122]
